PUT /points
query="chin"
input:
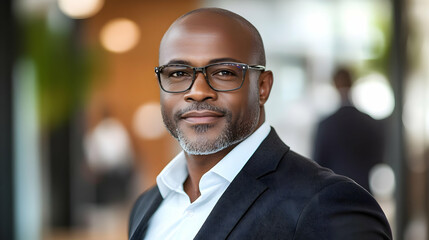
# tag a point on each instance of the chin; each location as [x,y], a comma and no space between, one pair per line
[202,152]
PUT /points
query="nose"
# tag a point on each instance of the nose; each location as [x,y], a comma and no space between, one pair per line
[200,90]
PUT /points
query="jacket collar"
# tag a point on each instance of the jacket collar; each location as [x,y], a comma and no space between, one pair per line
[244,190]
[144,212]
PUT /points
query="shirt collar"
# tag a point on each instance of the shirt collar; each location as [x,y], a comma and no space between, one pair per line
[235,160]
[175,173]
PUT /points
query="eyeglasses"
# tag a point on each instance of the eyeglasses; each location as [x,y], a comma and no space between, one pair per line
[221,77]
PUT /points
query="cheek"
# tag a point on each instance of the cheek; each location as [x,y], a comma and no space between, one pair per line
[250,102]
[241,104]
[168,104]
[254,91]
[251,98]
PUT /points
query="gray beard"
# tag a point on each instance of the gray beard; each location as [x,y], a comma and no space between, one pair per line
[233,133]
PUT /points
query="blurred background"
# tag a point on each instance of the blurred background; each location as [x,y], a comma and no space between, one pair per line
[81,134]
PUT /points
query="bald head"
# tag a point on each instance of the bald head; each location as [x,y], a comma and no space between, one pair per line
[206,23]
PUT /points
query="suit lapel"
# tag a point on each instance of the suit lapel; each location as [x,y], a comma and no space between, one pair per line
[146,208]
[243,190]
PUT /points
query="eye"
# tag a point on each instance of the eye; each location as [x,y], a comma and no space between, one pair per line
[178,74]
[225,73]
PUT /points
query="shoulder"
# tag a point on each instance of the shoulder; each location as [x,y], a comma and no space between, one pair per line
[280,168]
[148,196]
[342,210]
[141,205]
[301,171]
[331,206]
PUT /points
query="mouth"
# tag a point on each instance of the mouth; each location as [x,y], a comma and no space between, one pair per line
[201,117]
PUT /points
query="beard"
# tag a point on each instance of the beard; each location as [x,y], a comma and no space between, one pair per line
[232,132]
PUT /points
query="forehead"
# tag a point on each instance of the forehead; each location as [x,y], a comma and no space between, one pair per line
[202,37]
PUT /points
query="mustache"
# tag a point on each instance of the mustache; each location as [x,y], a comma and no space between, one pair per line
[200,107]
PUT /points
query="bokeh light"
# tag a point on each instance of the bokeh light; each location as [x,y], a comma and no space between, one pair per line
[374,96]
[382,181]
[108,145]
[147,122]
[80,8]
[119,35]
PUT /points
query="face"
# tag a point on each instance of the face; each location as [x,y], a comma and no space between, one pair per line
[205,121]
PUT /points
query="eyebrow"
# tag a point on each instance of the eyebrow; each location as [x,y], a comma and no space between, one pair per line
[216,60]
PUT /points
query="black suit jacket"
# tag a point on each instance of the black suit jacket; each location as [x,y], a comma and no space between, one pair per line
[281,195]
[350,143]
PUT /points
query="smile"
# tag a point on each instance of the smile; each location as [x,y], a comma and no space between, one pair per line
[201,117]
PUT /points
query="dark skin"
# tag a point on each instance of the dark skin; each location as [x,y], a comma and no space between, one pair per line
[197,40]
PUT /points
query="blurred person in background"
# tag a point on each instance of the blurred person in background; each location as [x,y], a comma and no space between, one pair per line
[349,142]
[235,178]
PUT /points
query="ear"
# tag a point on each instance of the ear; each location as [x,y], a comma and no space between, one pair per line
[265,85]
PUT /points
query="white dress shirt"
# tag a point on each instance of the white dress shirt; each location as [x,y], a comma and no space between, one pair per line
[178,218]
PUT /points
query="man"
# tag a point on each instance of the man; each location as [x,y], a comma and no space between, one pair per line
[235,178]
[349,142]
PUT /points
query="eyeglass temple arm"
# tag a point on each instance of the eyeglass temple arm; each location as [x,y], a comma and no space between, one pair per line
[257,67]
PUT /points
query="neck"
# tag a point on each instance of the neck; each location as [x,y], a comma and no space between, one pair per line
[345,97]
[198,165]
[346,101]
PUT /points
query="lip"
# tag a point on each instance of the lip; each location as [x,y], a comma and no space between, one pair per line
[201,117]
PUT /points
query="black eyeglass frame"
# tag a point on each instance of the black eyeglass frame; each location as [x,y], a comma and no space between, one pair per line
[203,70]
